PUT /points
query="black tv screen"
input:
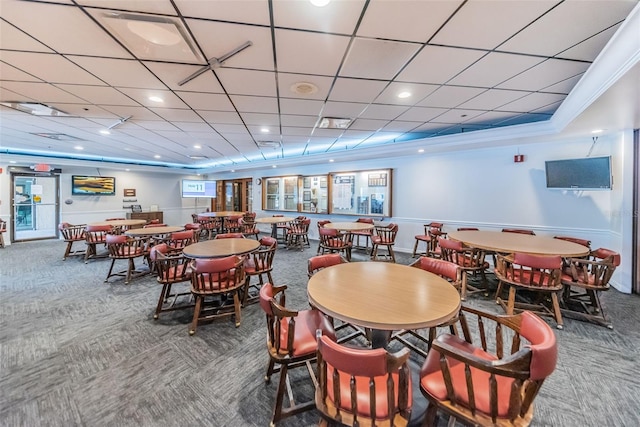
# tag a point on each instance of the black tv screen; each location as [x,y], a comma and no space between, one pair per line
[198,188]
[589,173]
[82,185]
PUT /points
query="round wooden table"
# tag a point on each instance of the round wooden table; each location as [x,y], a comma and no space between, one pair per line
[274,221]
[349,226]
[218,248]
[152,231]
[121,222]
[498,241]
[383,296]
[221,214]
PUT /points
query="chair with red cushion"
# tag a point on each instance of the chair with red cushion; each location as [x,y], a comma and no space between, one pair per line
[259,263]
[180,239]
[298,234]
[363,233]
[363,387]
[536,274]
[583,242]
[127,248]
[209,225]
[232,224]
[172,268]
[492,374]
[154,224]
[384,236]
[219,280]
[320,225]
[319,262]
[229,236]
[448,271]
[96,235]
[470,259]
[195,229]
[248,228]
[73,234]
[427,238]
[331,240]
[583,280]
[291,343]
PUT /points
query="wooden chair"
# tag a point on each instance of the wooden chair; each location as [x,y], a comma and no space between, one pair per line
[232,224]
[3,229]
[362,387]
[73,234]
[209,225]
[331,240]
[320,225]
[195,229]
[448,271]
[127,248]
[249,228]
[363,233]
[218,279]
[471,260]
[518,230]
[172,268]
[281,230]
[434,249]
[96,235]
[178,240]
[384,236]
[298,234]
[583,242]
[259,263]
[426,238]
[291,343]
[583,281]
[229,236]
[536,274]
[484,380]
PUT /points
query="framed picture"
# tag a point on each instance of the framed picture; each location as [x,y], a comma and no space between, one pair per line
[323,182]
[306,182]
[306,195]
[82,185]
[129,192]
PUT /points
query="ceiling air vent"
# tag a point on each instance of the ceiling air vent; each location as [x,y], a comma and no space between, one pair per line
[269,144]
[198,157]
[35,109]
[58,136]
[334,123]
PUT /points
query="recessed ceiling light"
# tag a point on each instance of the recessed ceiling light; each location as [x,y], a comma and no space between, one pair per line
[233,170]
[421,150]
[264,130]
[77,147]
[105,132]
[404,94]
[319,3]
[157,156]
[156,99]
[274,166]
[597,131]
[331,160]
[197,147]
[13,162]
[304,88]
[127,170]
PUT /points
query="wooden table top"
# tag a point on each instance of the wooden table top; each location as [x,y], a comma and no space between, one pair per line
[220,214]
[502,242]
[152,231]
[121,222]
[383,295]
[349,226]
[274,219]
[218,248]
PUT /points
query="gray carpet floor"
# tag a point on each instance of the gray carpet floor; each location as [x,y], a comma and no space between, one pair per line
[75,351]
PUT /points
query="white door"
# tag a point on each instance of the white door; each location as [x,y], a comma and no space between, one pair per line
[35,207]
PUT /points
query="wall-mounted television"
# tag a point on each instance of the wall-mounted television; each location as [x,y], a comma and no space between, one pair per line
[82,185]
[198,188]
[589,173]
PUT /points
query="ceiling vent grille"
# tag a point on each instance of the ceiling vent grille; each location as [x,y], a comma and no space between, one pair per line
[334,123]
[269,144]
[58,136]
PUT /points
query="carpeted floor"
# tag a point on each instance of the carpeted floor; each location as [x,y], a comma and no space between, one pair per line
[76,351]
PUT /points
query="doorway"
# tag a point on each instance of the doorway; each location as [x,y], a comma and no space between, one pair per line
[35,200]
[235,195]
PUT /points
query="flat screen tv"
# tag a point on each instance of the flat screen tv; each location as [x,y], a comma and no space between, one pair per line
[82,185]
[198,188]
[589,173]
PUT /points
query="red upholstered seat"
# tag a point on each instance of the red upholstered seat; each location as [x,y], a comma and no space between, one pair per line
[471,260]
[259,263]
[72,234]
[124,248]
[384,236]
[173,268]
[331,240]
[458,374]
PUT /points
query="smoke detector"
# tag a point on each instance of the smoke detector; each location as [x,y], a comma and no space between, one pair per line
[304,88]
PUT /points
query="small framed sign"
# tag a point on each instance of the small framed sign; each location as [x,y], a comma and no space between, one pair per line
[129,192]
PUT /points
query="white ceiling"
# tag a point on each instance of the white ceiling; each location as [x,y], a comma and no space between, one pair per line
[469,65]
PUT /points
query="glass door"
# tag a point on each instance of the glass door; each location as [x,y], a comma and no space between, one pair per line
[35,207]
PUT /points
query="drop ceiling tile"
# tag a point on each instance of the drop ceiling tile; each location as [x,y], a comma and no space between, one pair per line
[252,11]
[356,90]
[486,24]
[377,59]
[492,99]
[193,127]
[42,92]
[368,124]
[119,72]
[55,32]
[421,114]
[565,86]
[175,114]
[7,72]
[457,115]
[450,96]
[405,20]
[336,17]
[155,7]
[545,74]
[14,39]
[549,108]
[150,125]
[220,117]
[259,119]
[141,96]
[524,118]
[342,109]
[298,120]
[383,112]
[310,53]
[98,95]
[49,67]
[225,129]
[494,69]
[136,113]
[255,104]
[301,106]
[590,48]
[532,102]
[400,126]
[87,111]
[247,82]
[206,101]
[437,64]
[220,38]
[551,35]
[356,135]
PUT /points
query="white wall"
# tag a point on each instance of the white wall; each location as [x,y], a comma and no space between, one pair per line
[482,188]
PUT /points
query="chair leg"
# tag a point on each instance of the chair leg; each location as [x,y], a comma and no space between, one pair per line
[68,250]
[113,261]
[393,255]
[282,385]
[512,300]
[196,315]
[430,417]
[415,249]
[556,311]
[161,300]
[236,304]
[498,291]
[270,369]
